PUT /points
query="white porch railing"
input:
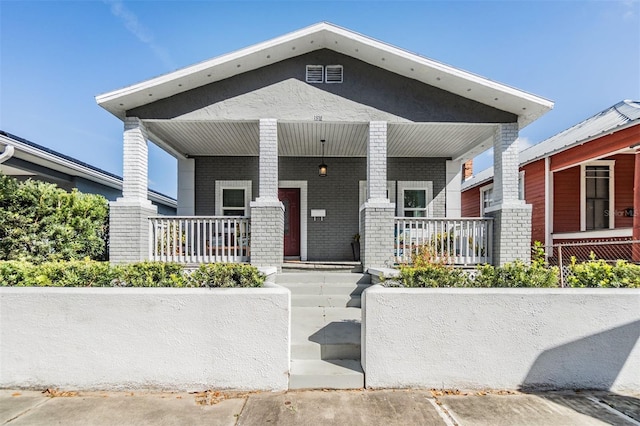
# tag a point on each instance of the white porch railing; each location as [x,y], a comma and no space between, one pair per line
[465,241]
[199,239]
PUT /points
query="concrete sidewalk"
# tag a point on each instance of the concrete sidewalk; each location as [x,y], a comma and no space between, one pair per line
[355,407]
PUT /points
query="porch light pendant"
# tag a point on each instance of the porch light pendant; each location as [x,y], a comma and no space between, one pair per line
[322,168]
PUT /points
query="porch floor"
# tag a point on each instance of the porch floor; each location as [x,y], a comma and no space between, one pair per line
[344,266]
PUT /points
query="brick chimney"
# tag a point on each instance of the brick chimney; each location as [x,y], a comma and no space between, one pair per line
[467,170]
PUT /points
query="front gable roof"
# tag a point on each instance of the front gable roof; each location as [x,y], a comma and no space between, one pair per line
[324,35]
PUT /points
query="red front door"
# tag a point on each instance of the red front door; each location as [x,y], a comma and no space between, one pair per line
[290,197]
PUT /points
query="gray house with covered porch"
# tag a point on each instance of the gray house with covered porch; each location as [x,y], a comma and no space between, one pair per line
[250,129]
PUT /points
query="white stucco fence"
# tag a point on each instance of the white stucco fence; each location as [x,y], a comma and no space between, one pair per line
[501,338]
[144,338]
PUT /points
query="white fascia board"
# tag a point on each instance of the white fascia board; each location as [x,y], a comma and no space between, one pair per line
[108,100]
[63,165]
[553,152]
[162,199]
[325,35]
[46,159]
[460,76]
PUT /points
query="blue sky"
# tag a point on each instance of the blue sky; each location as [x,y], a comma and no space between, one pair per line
[55,56]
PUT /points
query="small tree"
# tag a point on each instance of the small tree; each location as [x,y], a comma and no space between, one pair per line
[41,222]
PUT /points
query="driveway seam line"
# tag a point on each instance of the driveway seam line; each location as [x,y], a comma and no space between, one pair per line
[443,412]
[26,411]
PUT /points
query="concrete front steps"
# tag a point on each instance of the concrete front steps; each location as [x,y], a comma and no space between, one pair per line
[325,329]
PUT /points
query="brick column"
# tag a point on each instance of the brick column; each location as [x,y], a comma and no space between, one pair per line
[511,216]
[135,160]
[128,215]
[635,255]
[267,212]
[186,187]
[377,213]
[453,198]
[268,163]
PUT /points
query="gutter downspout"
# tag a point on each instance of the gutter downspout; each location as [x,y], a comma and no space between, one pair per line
[8,153]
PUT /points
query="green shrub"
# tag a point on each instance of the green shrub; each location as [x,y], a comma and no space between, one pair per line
[40,222]
[226,275]
[13,273]
[599,273]
[75,273]
[516,274]
[433,275]
[89,273]
[149,274]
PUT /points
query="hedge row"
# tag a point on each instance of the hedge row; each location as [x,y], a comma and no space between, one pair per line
[88,273]
[588,274]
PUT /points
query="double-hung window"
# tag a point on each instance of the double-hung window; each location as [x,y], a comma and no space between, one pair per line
[233,197]
[486,194]
[415,199]
[597,189]
[414,203]
[486,198]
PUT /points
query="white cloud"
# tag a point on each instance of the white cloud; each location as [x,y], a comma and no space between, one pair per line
[142,33]
[524,143]
[631,8]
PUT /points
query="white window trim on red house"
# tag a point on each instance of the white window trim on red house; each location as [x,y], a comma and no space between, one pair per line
[583,192]
[489,187]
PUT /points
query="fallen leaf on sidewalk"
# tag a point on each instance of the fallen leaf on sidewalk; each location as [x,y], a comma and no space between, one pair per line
[446,392]
[211,397]
[16,394]
[58,393]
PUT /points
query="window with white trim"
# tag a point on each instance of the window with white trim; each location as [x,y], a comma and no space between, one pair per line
[486,193]
[233,197]
[315,74]
[415,199]
[597,195]
[486,198]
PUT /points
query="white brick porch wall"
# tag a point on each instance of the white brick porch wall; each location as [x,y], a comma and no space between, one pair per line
[376,214]
[128,215]
[267,212]
[512,217]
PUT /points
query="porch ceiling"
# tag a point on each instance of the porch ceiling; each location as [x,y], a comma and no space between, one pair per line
[302,139]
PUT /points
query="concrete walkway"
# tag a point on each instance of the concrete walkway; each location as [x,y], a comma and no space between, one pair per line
[325,328]
[355,407]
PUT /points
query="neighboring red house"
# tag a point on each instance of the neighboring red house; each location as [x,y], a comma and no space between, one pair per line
[583,183]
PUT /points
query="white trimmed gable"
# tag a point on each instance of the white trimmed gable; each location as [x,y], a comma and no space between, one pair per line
[328,36]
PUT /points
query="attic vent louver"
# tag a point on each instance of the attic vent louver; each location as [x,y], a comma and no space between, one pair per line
[333,74]
[315,73]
